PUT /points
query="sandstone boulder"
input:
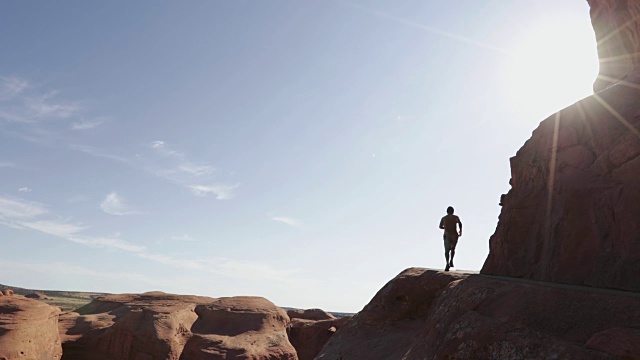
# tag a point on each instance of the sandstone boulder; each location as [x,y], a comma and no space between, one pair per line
[37,296]
[309,314]
[308,337]
[239,328]
[28,330]
[388,326]
[427,314]
[156,325]
[7,292]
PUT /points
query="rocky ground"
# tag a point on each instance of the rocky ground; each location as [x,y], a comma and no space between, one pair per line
[430,314]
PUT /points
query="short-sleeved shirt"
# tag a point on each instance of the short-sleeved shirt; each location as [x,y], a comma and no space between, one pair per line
[450,223]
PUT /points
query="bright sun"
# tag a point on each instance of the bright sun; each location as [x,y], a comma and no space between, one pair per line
[552,66]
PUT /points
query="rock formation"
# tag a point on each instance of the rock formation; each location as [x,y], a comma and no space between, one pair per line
[28,330]
[572,213]
[617,27]
[309,314]
[154,326]
[7,292]
[37,295]
[308,336]
[427,314]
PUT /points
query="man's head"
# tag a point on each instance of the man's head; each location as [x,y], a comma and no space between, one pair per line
[450,210]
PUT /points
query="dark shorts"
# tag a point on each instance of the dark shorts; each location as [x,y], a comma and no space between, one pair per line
[450,241]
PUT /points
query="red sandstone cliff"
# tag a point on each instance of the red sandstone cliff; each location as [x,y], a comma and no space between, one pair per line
[572,213]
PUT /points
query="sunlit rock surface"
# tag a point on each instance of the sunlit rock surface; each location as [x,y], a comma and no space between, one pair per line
[155,326]
[28,330]
[427,314]
[572,213]
[617,27]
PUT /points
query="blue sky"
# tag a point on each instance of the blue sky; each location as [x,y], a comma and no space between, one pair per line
[303,151]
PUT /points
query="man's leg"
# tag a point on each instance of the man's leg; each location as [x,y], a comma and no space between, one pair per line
[453,253]
[447,248]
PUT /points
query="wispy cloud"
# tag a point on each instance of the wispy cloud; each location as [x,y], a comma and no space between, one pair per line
[7,116]
[165,162]
[39,114]
[23,214]
[48,106]
[179,169]
[179,163]
[24,189]
[105,242]
[13,209]
[86,124]
[6,165]
[10,86]
[114,204]
[55,228]
[24,103]
[286,220]
[220,191]
[158,144]
[429,29]
[96,152]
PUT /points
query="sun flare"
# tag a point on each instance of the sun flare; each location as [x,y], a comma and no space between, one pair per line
[552,66]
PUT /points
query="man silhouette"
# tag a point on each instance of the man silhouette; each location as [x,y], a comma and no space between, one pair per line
[451,234]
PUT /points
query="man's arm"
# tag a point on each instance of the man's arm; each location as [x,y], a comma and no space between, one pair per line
[460,224]
[442,223]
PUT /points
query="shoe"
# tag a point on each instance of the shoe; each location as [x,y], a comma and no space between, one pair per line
[446,268]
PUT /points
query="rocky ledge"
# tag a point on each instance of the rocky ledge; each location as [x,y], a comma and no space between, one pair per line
[428,314]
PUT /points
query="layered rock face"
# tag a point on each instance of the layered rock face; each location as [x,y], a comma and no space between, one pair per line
[427,314]
[617,27]
[28,330]
[155,326]
[572,213]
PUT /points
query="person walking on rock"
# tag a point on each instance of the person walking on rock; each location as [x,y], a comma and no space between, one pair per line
[451,234]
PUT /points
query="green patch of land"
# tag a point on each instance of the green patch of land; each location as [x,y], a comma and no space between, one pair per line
[66,303]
